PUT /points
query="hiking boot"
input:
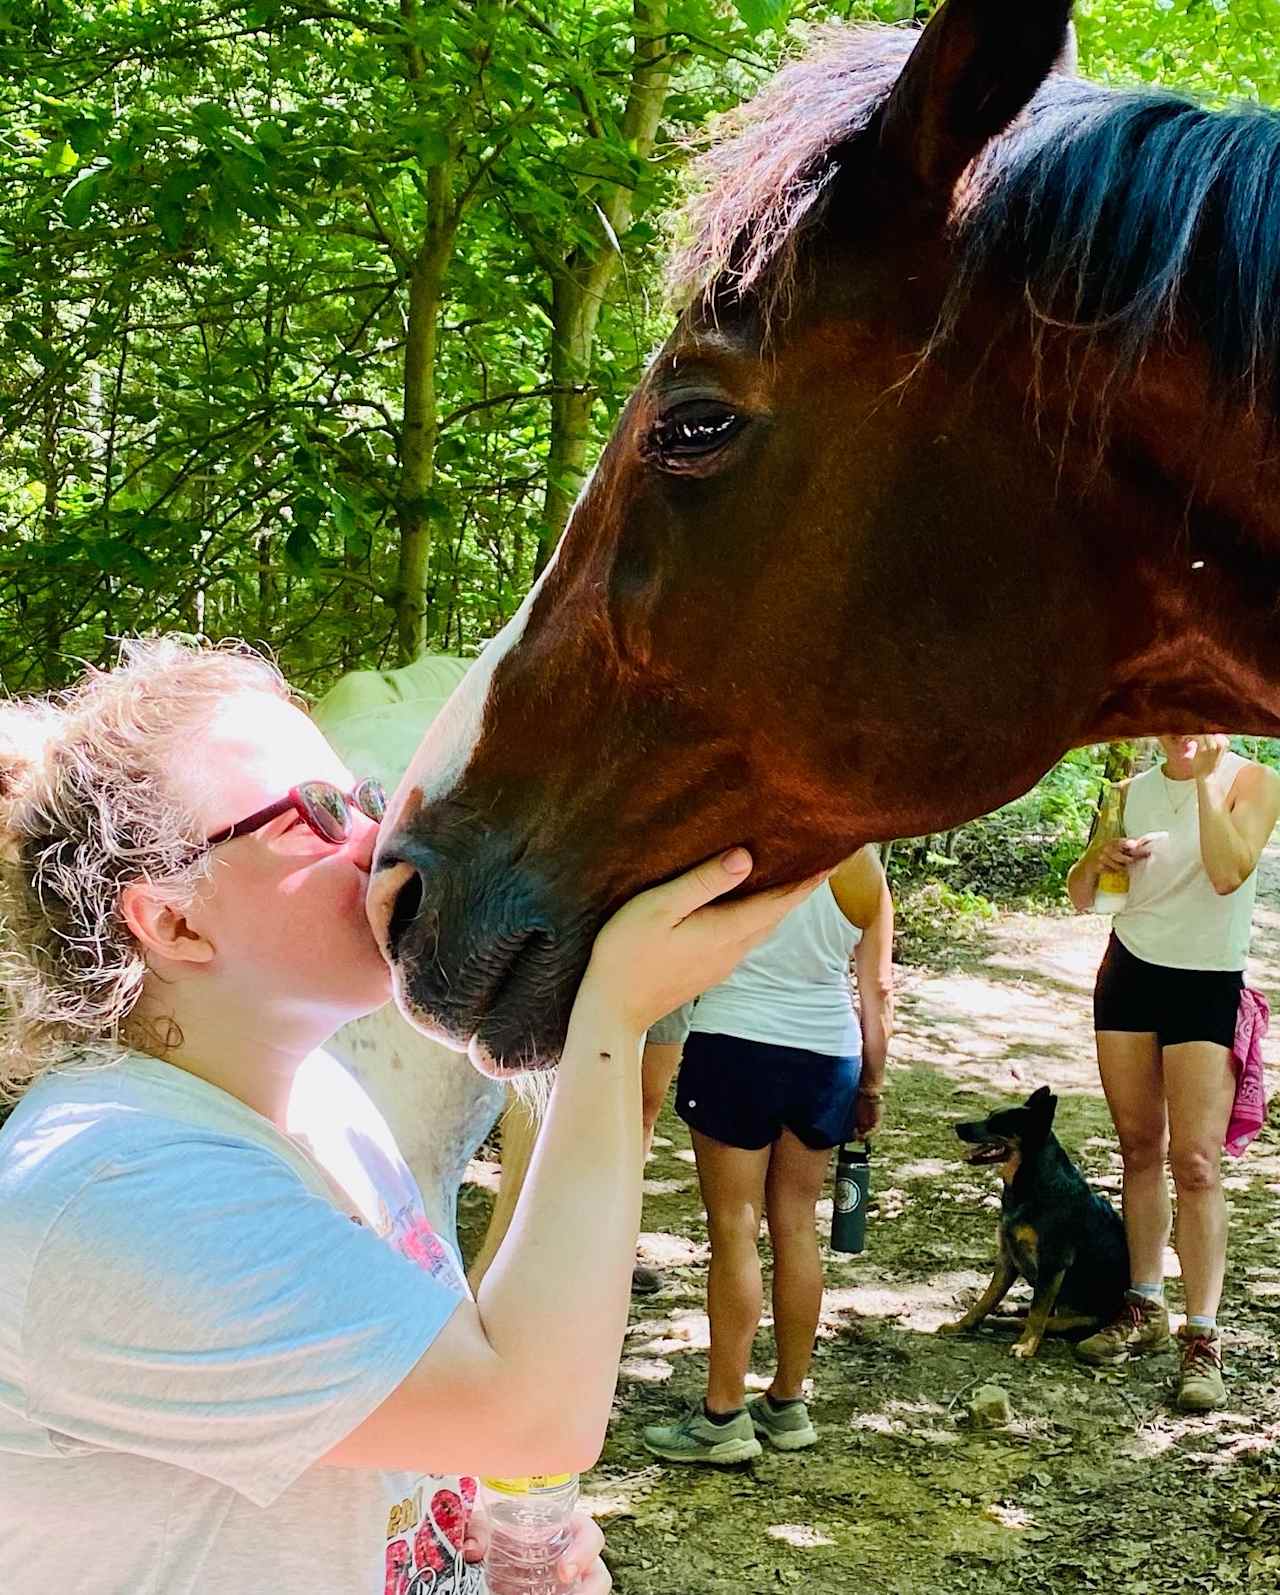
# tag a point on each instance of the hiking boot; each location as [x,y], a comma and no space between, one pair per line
[1200,1386]
[1140,1325]
[694,1438]
[788,1428]
[645,1281]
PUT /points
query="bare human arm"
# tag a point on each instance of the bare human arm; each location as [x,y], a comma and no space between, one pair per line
[1116,852]
[1234,826]
[521,1380]
[862,892]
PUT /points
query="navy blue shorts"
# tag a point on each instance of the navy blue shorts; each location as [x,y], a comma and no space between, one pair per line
[745,1093]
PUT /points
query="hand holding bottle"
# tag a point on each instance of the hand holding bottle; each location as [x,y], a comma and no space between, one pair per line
[1121,852]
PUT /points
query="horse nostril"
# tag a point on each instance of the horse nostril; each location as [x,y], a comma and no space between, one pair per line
[404,910]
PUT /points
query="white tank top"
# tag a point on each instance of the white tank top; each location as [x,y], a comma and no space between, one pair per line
[793,990]
[1173,915]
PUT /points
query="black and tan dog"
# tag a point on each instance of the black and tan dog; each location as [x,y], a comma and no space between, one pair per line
[1067,1242]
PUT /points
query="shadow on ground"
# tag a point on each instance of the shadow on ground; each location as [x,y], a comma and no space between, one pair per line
[1096,1484]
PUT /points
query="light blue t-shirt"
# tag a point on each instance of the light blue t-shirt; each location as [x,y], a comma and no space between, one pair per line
[189,1320]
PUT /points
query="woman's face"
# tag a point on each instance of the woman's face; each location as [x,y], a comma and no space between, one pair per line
[1179,749]
[283,910]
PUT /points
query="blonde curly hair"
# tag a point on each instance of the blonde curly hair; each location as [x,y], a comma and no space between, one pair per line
[86,806]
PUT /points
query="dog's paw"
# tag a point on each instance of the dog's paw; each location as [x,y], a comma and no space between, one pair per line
[1024,1348]
[955,1326]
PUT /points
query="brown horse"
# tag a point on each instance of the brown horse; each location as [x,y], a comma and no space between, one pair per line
[962,454]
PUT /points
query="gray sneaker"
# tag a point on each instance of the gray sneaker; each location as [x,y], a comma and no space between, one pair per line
[789,1428]
[1141,1325]
[694,1438]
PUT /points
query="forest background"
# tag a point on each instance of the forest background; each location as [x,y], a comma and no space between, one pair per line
[315,313]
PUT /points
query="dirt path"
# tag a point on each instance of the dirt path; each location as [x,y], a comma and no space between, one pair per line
[1096,1485]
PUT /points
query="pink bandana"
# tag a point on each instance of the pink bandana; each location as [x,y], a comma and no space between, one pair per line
[1249,1110]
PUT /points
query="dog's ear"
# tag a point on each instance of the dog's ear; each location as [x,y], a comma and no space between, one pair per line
[1043,1105]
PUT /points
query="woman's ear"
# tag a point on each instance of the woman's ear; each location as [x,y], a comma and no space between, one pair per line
[162,930]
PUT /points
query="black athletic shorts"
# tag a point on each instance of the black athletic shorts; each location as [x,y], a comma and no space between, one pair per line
[1174,1004]
[745,1093]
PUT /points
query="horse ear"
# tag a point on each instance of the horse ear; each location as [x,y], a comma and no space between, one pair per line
[977,65]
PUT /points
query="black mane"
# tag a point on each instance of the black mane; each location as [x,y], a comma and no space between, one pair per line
[1133,216]
[1127,215]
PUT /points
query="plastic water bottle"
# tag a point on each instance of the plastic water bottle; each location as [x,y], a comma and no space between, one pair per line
[1112,894]
[849,1210]
[529,1531]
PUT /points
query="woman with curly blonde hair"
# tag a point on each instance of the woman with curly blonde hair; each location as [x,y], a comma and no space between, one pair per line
[210,1377]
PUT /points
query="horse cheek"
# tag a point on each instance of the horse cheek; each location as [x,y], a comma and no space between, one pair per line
[632,615]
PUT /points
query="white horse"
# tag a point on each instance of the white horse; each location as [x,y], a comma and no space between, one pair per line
[438,1106]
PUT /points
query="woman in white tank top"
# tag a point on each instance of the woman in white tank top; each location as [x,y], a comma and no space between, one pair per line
[776,1072]
[1165,1009]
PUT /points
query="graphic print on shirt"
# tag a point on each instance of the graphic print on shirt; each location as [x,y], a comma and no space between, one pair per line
[425,1533]
[412,1236]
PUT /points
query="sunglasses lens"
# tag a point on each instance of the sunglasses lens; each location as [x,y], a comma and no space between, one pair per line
[371,799]
[325,809]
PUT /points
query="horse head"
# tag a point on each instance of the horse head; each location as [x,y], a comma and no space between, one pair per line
[908,504]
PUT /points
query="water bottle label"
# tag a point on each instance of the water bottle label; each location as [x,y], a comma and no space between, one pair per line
[848,1196]
[533,1484]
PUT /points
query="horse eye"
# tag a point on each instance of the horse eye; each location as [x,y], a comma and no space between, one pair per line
[691,431]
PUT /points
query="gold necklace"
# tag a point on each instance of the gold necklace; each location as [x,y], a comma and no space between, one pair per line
[1167,783]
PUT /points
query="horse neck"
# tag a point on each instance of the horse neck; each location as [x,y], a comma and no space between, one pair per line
[1179,503]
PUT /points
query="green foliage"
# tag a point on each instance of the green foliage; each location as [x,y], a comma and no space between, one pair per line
[947,888]
[223,231]
[1220,49]
[932,919]
[278,296]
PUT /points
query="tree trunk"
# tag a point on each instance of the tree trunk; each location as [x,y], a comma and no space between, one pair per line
[1120,761]
[418,446]
[52,466]
[266,592]
[573,318]
[580,283]
[1117,765]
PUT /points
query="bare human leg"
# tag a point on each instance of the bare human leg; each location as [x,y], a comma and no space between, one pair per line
[1129,1062]
[1200,1087]
[732,1182]
[792,1187]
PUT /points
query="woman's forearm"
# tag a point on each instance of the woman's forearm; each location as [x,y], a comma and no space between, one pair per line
[1228,857]
[554,1300]
[873,960]
[875,1048]
[1082,881]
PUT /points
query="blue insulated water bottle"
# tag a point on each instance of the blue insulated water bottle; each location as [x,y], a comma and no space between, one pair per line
[849,1210]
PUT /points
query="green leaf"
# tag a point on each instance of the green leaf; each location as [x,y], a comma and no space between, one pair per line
[434,506]
[59,157]
[79,197]
[301,552]
[119,557]
[344,516]
[760,15]
[307,510]
[432,146]
[172,222]
[210,115]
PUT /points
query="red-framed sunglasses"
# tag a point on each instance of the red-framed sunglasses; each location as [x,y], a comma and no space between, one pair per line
[325,809]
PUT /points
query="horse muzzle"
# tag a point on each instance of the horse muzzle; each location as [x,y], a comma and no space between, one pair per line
[476,956]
